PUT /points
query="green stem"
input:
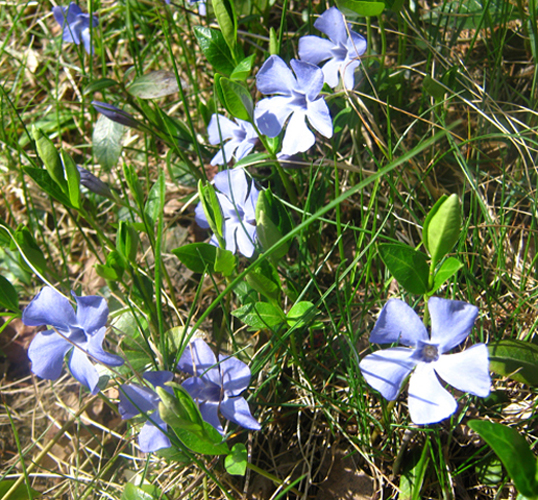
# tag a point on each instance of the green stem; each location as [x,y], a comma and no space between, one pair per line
[270,476]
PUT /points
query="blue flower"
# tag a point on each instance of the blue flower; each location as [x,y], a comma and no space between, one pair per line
[242,137]
[342,51]
[116,114]
[136,399]
[237,198]
[297,98]
[75,24]
[217,385]
[94,184]
[467,371]
[82,332]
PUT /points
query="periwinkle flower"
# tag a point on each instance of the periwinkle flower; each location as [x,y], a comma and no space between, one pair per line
[342,51]
[241,134]
[297,98]
[93,183]
[75,25]
[467,371]
[116,114]
[136,399]
[202,7]
[82,332]
[217,385]
[237,198]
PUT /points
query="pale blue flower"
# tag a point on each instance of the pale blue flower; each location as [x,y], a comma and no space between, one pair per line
[296,96]
[136,399]
[217,385]
[342,51]
[82,333]
[237,197]
[467,371]
[75,25]
[240,135]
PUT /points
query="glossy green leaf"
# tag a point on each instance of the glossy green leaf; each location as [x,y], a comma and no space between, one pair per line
[433,88]
[448,269]
[260,315]
[215,49]
[225,13]
[236,461]
[73,179]
[8,296]
[212,210]
[29,249]
[155,202]
[156,84]
[20,493]
[243,69]
[127,241]
[301,312]
[142,492]
[516,359]
[50,158]
[131,177]
[442,227]
[197,256]
[106,141]
[273,42]
[265,280]
[365,9]
[99,85]
[42,178]
[514,452]
[225,262]
[408,266]
[236,99]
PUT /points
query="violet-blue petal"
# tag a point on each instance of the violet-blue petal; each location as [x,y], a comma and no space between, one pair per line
[332,23]
[94,347]
[349,73]
[271,114]
[467,371]
[198,359]
[200,217]
[235,375]
[233,183]
[158,378]
[298,137]
[194,386]
[319,117]
[86,38]
[452,321]
[151,437]
[309,78]
[386,370]
[49,307]
[227,129]
[68,22]
[314,49]
[46,352]
[135,399]
[83,370]
[429,402]
[92,312]
[397,322]
[93,183]
[245,147]
[275,77]
[245,236]
[116,114]
[210,414]
[238,411]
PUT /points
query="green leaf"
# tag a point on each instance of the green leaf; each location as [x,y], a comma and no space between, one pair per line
[197,256]
[448,269]
[106,141]
[413,475]
[243,69]
[434,88]
[8,295]
[156,84]
[127,241]
[155,202]
[301,312]
[142,492]
[442,227]
[45,182]
[20,493]
[215,49]
[236,99]
[516,359]
[99,85]
[260,315]
[514,452]
[273,42]
[73,179]
[50,158]
[236,461]
[265,280]
[28,247]
[407,265]
[227,19]
[131,177]
[212,210]
[225,262]
[365,9]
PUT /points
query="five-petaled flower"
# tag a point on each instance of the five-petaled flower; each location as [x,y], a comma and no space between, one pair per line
[82,332]
[237,198]
[217,385]
[242,137]
[341,51]
[136,399]
[295,97]
[467,371]
[75,24]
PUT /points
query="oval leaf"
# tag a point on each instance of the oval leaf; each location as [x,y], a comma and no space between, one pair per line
[365,9]
[215,49]
[448,269]
[516,359]
[106,140]
[155,84]
[197,256]
[236,461]
[8,295]
[407,265]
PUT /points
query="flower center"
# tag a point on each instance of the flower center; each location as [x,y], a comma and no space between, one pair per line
[430,353]
[210,393]
[299,100]
[339,52]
